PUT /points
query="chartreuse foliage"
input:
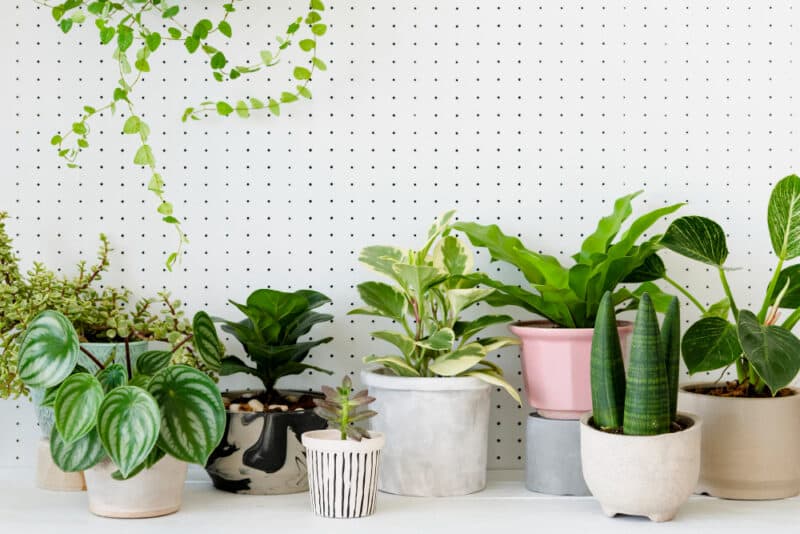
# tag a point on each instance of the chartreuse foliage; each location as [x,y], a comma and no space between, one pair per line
[644,403]
[570,296]
[133,420]
[766,354]
[430,288]
[133,30]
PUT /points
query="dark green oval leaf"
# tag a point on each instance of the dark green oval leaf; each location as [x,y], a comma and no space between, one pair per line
[77,402]
[152,361]
[112,377]
[128,424]
[79,455]
[709,344]
[697,238]
[209,348]
[772,350]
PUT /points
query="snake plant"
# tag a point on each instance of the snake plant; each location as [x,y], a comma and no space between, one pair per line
[644,404]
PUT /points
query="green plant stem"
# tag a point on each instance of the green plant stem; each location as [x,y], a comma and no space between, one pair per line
[345,415]
[741,372]
[792,320]
[724,279]
[762,313]
[685,293]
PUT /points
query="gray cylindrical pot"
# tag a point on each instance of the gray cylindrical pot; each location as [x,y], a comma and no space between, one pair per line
[553,457]
[437,433]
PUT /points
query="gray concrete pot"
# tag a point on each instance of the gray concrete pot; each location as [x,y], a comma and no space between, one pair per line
[437,433]
[553,457]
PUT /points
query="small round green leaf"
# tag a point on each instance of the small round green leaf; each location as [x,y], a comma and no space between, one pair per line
[49,350]
[79,455]
[152,361]
[697,238]
[112,377]
[77,402]
[709,344]
[192,413]
[128,424]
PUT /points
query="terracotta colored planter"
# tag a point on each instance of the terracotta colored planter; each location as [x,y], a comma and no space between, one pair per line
[153,492]
[751,447]
[342,474]
[556,366]
[651,476]
[261,453]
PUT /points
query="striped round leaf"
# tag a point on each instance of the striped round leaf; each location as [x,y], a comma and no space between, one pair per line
[77,402]
[49,350]
[79,455]
[697,238]
[206,341]
[192,413]
[113,376]
[128,424]
[152,361]
[783,217]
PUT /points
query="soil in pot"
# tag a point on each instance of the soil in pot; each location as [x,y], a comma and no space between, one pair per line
[261,452]
[736,389]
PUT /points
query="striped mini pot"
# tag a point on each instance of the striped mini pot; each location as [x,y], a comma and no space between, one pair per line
[342,474]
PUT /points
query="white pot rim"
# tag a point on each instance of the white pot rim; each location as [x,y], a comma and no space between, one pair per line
[379,379]
[545,328]
[697,423]
[754,400]
[330,441]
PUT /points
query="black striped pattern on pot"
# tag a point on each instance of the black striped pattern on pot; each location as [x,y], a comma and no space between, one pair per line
[343,484]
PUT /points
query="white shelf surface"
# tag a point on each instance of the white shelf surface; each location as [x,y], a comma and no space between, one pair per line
[504,506]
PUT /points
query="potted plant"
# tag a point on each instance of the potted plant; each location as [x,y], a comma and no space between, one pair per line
[753,421]
[439,383]
[110,323]
[640,456]
[556,349]
[261,452]
[130,428]
[343,461]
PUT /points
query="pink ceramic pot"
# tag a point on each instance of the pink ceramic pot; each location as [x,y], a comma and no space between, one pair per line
[556,366]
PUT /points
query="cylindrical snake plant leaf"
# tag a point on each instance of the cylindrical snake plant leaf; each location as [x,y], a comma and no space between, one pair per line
[671,346]
[647,392]
[607,369]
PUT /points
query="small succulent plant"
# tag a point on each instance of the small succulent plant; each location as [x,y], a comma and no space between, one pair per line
[646,403]
[342,409]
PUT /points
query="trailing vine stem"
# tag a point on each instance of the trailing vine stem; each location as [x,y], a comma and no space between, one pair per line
[125,23]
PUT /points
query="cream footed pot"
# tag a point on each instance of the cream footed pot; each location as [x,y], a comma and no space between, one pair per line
[436,433]
[651,476]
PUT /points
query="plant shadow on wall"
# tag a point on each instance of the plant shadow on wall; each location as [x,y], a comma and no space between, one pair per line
[131,29]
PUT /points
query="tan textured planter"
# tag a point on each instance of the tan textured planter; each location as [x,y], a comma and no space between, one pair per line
[153,492]
[50,477]
[650,476]
[751,447]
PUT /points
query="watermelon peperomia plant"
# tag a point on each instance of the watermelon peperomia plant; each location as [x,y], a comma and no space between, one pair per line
[766,354]
[645,403]
[134,418]
[431,289]
[569,297]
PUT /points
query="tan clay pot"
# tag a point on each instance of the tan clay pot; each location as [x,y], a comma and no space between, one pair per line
[650,476]
[751,447]
[50,477]
[153,492]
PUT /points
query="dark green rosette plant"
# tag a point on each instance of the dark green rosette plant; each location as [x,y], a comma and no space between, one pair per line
[646,402]
[270,335]
[430,289]
[570,296]
[133,417]
[343,409]
[765,352]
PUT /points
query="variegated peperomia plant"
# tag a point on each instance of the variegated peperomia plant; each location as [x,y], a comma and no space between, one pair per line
[430,291]
[133,415]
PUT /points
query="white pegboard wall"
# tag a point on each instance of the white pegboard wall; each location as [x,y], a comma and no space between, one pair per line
[533,115]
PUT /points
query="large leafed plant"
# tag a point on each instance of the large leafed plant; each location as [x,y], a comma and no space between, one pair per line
[763,349]
[431,288]
[132,415]
[570,296]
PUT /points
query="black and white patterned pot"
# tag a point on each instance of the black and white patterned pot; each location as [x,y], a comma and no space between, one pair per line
[261,453]
[342,474]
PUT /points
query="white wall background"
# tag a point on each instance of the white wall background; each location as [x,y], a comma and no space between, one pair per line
[534,115]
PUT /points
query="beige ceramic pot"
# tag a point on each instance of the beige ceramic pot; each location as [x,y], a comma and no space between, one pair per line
[153,492]
[651,476]
[50,477]
[751,447]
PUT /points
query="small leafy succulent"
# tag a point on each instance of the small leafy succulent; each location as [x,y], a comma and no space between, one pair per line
[342,409]
[570,297]
[270,333]
[134,416]
[107,314]
[765,352]
[646,403]
[431,288]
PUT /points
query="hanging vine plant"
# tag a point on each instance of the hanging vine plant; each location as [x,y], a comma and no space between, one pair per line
[131,27]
